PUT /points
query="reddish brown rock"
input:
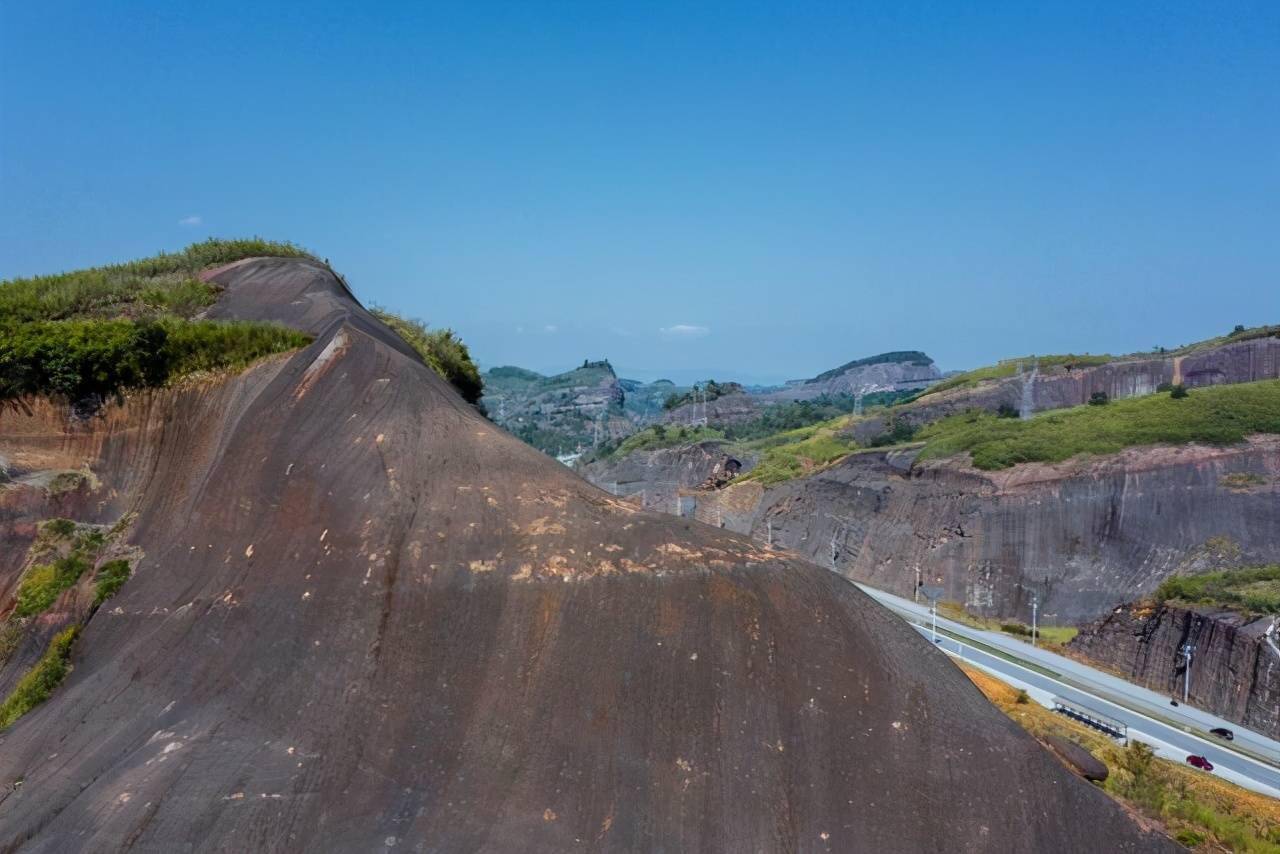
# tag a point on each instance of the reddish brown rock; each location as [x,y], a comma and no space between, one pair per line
[366,618]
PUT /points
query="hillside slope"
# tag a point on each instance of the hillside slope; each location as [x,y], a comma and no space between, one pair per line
[363,618]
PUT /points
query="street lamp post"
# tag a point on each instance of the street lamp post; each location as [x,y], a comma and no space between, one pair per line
[1035,608]
[1187,650]
[933,594]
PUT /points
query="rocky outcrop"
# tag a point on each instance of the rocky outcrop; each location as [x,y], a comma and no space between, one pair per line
[1062,386]
[730,409]
[368,619]
[1084,535]
[1235,673]
[900,371]
[1078,758]
[666,478]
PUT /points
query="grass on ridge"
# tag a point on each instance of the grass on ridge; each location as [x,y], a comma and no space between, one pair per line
[163,285]
[105,330]
[1253,590]
[441,349]
[1217,415]
[1009,367]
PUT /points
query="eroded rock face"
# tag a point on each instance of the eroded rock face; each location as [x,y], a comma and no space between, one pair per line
[1078,758]
[365,617]
[656,479]
[1085,535]
[1058,387]
[1235,674]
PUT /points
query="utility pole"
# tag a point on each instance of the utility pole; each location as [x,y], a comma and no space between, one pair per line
[1035,607]
[915,593]
[1188,649]
[769,528]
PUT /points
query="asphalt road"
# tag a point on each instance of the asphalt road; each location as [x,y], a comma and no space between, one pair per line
[1183,728]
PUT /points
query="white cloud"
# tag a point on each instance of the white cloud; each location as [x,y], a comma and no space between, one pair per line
[192,220]
[551,329]
[685,330]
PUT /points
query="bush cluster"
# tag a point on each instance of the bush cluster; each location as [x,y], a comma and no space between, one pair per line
[441,349]
[110,578]
[81,359]
[1256,589]
[40,681]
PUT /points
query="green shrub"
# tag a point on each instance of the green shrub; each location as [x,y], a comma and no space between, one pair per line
[81,359]
[41,586]
[1023,697]
[1178,392]
[1189,838]
[898,433]
[41,680]
[110,578]
[1256,589]
[1099,398]
[1218,415]
[58,527]
[10,637]
[1015,629]
[442,350]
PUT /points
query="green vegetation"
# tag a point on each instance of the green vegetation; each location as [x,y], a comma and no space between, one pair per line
[100,332]
[709,390]
[110,578]
[162,285]
[42,584]
[1218,415]
[441,349]
[78,359]
[58,528]
[1254,590]
[799,452]
[665,436]
[913,357]
[1198,809]
[40,681]
[1009,367]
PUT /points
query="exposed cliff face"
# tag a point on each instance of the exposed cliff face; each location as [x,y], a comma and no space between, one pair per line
[1058,387]
[365,617]
[1234,672]
[904,371]
[658,479]
[1085,535]
[730,409]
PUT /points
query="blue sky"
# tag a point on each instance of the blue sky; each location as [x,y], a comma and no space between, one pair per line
[742,190]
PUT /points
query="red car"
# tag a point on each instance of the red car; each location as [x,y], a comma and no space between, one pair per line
[1200,762]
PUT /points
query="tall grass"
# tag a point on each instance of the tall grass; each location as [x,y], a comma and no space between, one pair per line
[165,284]
[1219,415]
[441,349]
[40,681]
